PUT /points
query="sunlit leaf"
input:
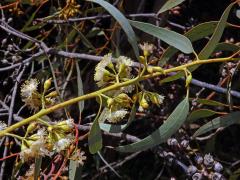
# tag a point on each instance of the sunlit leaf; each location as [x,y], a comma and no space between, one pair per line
[198,32]
[165,131]
[170,37]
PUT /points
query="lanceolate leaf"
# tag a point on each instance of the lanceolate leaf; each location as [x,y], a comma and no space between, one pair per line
[170,37]
[37,168]
[212,43]
[124,23]
[95,138]
[75,170]
[200,113]
[80,88]
[118,128]
[198,32]
[218,122]
[227,47]
[169,127]
[169,5]
[209,102]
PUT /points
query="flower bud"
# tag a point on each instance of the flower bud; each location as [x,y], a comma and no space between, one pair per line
[144,103]
[198,159]
[110,102]
[188,80]
[31,127]
[218,167]
[66,125]
[208,160]
[146,53]
[192,169]
[150,69]
[197,176]
[158,69]
[172,142]
[142,59]
[47,84]
[52,94]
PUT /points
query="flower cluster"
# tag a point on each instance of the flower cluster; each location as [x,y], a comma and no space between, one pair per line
[34,146]
[32,98]
[45,142]
[70,9]
[118,101]
[106,73]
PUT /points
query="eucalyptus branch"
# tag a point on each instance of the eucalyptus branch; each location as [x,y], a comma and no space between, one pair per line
[109,88]
[74,20]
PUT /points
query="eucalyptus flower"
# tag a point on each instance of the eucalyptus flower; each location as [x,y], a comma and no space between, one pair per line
[36,149]
[30,95]
[147,48]
[116,116]
[102,75]
[63,144]
[79,157]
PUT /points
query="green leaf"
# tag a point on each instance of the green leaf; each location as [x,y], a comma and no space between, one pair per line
[227,47]
[169,5]
[124,23]
[80,88]
[37,168]
[219,122]
[95,137]
[112,128]
[75,171]
[198,32]
[170,37]
[200,113]
[209,102]
[212,43]
[165,131]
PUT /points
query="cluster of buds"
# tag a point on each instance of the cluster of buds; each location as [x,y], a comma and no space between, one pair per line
[35,100]
[144,98]
[70,9]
